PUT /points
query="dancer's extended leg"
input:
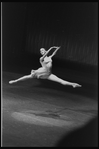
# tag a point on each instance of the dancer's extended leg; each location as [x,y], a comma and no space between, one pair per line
[53,77]
[21,79]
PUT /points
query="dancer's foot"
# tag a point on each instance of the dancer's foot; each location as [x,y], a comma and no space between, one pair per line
[76,85]
[11,82]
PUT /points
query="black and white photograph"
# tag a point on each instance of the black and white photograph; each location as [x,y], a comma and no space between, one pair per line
[49,74]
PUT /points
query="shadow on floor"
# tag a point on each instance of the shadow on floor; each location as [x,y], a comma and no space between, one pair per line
[82,137]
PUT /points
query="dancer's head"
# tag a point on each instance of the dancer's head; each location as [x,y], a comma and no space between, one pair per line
[42,51]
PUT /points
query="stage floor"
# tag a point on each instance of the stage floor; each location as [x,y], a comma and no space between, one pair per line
[36,114]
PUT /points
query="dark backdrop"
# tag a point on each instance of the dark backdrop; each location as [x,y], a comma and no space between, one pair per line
[28,26]
[73,26]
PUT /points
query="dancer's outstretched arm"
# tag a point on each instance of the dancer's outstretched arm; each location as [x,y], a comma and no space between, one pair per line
[53,77]
[21,79]
[57,48]
[42,58]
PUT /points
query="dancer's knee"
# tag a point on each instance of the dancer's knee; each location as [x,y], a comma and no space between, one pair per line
[32,75]
[32,71]
[62,82]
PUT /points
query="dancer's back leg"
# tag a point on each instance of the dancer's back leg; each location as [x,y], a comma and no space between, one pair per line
[22,78]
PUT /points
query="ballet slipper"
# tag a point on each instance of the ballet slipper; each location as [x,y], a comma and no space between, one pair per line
[11,82]
[76,85]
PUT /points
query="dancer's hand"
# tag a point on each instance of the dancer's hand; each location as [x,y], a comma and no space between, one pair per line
[76,85]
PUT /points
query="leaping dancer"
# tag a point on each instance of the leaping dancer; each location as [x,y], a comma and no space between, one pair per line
[44,72]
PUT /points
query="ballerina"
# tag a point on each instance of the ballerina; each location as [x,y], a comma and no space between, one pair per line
[44,72]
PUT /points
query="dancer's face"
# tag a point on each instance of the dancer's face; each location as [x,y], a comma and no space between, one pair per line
[42,51]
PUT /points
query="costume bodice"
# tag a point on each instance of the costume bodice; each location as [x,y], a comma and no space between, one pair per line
[47,62]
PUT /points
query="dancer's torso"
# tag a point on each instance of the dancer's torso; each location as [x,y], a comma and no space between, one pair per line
[47,63]
[45,70]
